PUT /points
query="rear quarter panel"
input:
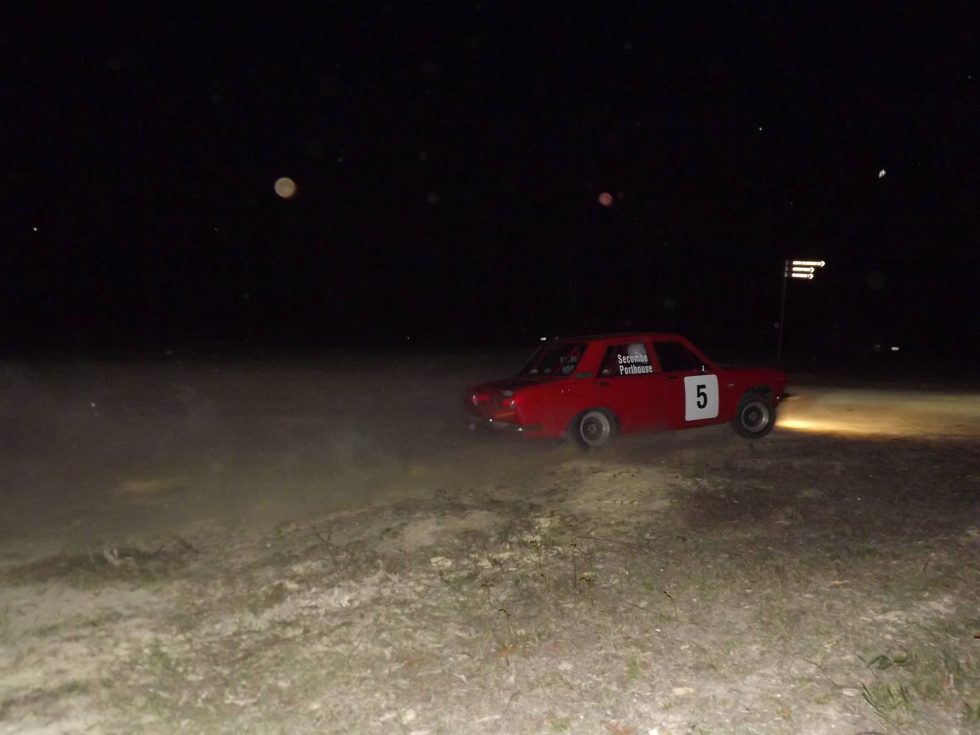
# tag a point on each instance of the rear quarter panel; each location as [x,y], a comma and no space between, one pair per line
[554,404]
[549,405]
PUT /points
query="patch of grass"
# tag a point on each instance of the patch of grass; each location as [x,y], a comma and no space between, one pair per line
[110,564]
[926,683]
[971,713]
[882,661]
[892,702]
[40,699]
[559,724]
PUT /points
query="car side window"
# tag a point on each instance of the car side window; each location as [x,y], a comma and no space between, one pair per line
[675,357]
[626,359]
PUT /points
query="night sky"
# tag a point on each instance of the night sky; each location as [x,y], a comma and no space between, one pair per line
[449,160]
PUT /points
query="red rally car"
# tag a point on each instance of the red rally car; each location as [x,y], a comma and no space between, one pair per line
[590,388]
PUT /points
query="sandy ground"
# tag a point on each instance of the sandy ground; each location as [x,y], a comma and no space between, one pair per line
[320,546]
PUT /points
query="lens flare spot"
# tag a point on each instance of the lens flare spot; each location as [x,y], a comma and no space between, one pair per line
[606,199]
[285,187]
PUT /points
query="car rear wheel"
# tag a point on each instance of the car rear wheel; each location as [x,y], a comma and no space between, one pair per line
[756,415]
[594,429]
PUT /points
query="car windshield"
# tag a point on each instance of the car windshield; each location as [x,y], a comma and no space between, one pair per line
[554,359]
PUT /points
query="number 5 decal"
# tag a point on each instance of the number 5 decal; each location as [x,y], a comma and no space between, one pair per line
[700,397]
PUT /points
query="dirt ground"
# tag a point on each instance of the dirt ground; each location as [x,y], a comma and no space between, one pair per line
[319,546]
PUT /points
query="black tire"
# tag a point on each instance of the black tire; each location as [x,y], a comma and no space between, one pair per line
[593,429]
[756,415]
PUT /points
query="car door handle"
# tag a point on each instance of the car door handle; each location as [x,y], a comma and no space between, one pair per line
[672,377]
[603,383]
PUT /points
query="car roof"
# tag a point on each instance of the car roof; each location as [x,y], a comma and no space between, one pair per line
[620,337]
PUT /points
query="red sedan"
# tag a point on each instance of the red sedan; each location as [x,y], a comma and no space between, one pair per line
[590,388]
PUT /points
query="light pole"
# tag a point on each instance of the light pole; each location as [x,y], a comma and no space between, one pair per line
[801,270]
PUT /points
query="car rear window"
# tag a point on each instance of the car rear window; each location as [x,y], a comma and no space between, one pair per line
[555,359]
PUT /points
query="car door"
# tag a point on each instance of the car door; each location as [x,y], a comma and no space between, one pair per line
[691,391]
[627,384]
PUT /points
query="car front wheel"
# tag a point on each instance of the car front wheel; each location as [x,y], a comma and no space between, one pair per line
[756,415]
[594,429]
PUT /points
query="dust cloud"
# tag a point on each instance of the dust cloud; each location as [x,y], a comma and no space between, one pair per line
[94,448]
